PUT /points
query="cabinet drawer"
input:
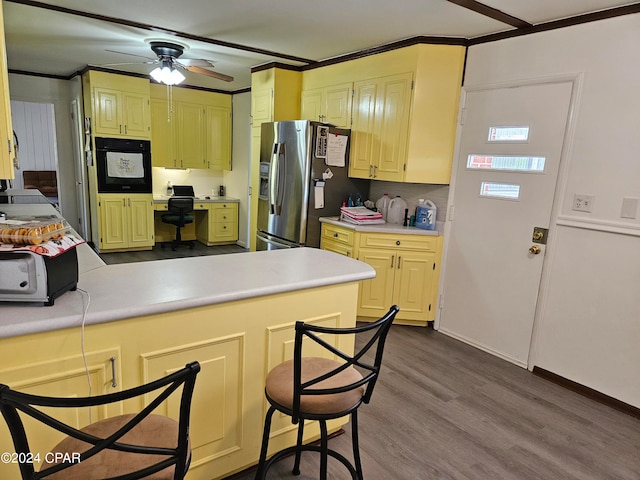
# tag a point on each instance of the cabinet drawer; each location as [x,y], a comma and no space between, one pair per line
[225,215]
[225,231]
[338,234]
[400,242]
[337,247]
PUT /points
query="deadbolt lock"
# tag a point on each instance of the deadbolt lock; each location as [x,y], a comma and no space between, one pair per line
[534,249]
[540,235]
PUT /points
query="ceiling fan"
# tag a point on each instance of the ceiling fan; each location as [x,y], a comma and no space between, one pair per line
[169,63]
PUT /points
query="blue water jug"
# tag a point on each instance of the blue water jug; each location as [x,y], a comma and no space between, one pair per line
[426,215]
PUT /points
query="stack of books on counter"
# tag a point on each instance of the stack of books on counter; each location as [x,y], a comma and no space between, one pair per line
[360,216]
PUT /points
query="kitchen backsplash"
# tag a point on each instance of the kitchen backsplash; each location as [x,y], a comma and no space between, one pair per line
[204,182]
[411,193]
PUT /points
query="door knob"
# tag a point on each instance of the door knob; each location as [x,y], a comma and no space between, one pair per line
[534,249]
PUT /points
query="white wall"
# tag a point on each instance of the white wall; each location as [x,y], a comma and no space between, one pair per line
[588,330]
[237,180]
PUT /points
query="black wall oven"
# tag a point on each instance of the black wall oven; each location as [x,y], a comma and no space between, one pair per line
[123,165]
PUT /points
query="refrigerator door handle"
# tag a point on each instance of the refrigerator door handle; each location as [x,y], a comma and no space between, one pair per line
[275,179]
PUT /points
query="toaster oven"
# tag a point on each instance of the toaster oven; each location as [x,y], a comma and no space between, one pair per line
[29,277]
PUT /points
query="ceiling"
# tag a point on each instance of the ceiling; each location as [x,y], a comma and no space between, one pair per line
[61,37]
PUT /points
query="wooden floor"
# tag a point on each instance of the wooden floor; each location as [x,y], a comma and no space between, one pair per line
[159,253]
[445,410]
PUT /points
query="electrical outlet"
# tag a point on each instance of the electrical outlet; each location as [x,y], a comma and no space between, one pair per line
[582,202]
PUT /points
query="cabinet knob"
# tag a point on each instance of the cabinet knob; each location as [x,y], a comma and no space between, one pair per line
[335,234]
[397,242]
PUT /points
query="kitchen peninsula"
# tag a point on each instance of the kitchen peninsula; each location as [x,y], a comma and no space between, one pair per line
[132,323]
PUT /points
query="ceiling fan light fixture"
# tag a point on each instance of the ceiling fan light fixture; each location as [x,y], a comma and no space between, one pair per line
[167,74]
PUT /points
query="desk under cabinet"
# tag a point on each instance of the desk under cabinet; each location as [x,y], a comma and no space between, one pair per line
[215,221]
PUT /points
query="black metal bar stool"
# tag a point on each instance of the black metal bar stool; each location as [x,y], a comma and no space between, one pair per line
[315,388]
[124,447]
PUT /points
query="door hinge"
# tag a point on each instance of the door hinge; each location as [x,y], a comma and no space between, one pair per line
[441,301]
[450,213]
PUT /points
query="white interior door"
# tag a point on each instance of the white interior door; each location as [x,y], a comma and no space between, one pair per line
[504,187]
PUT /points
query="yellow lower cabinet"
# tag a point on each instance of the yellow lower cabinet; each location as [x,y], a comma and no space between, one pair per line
[407,272]
[63,376]
[126,222]
[221,226]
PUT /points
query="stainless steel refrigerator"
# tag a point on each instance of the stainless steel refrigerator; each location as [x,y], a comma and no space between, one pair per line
[294,155]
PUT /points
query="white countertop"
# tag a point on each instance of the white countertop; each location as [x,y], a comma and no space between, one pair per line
[146,288]
[382,227]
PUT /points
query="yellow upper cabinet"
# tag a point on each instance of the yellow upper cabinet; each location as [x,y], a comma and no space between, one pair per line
[7,153]
[190,128]
[328,104]
[404,111]
[380,125]
[120,105]
[218,138]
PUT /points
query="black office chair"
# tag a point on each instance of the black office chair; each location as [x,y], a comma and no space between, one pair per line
[314,388]
[125,447]
[178,215]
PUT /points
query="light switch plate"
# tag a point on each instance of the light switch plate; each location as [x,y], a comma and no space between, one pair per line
[629,207]
[582,202]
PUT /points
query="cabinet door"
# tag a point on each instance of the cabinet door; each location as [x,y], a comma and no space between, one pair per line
[140,212]
[392,116]
[337,105]
[107,112]
[7,153]
[414,285]
[113,221]
[135,109]
[191,143]
[218,138]
[376,295]
[162,134]
[261,107]
[363,129]
[63,377]
[312,105]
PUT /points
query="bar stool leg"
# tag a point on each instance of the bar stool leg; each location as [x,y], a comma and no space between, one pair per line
[296,464]
[355,443]
[265,443]
[323,449]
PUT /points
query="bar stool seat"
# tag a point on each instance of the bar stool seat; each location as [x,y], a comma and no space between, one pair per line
[279,387]
[153,431]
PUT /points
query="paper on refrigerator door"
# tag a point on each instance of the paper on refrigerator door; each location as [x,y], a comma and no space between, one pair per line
[319,195]
[336,150]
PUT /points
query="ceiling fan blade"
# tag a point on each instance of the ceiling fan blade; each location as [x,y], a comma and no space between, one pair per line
[196,62]
[209,73]
[130,54]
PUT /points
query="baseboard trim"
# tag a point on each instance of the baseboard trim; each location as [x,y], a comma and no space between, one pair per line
[588,392]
